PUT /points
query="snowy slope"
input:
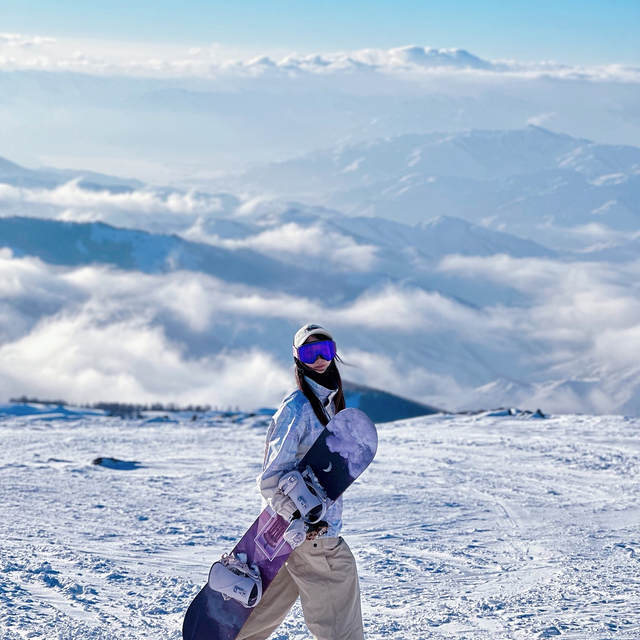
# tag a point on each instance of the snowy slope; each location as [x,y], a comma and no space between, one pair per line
[14,174]
[483,527]
[74,244]
[473,155]
[518,181]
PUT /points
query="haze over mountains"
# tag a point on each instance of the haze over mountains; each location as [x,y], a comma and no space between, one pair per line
[474,269]
[189,116]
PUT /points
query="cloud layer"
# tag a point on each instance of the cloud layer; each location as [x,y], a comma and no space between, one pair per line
[315,245]
[94,333]
[415,318]
[20,52]
[73,196]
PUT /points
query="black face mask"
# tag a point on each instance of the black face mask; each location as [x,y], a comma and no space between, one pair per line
[328,379]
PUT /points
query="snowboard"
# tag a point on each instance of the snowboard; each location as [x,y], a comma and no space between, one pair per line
[343,450]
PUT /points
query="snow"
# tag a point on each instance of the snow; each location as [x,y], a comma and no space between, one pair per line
[477,526]
[512,178]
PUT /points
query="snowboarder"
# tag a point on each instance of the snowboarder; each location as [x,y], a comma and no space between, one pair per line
[322,570]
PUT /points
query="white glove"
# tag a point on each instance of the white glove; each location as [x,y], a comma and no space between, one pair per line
[296,533]
[280,503]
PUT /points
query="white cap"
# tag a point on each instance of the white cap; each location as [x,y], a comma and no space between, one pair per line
[309,330]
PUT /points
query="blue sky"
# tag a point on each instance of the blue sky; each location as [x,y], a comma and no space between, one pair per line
[572,31]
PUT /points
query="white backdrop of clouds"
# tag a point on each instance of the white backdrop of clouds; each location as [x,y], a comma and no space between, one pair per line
[291,241]
[145,208]
[94,333]
[20,52]
[148,201]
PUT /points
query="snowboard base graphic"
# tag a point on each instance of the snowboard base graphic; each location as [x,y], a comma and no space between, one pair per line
[344,449]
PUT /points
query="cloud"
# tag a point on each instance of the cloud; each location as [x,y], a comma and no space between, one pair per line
[581,324]
[148,201]
[153,60]
[22,41]
[100,334]
[541,119]
[146,209]
[395,375]
[409,58]
[533,276]
[571,299]
[316,245]
[115,332]
[77,357]
[29,289]
[96,333]
[407,310]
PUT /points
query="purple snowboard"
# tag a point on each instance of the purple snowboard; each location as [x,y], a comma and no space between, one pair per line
[344,449]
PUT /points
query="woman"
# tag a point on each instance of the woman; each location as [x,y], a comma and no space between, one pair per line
[322,570]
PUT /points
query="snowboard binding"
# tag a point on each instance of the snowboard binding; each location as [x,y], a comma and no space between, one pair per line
[235,578]
[306,493]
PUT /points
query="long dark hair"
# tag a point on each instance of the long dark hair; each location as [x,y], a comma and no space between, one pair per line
[303,385]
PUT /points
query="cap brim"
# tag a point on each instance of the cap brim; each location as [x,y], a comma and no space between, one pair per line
[300,339]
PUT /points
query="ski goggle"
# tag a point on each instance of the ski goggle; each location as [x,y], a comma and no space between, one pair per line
[308,353]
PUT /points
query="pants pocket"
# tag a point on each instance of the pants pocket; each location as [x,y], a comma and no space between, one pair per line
[313,556]
[340,559]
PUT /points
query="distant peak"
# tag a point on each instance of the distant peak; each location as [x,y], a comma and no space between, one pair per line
[444,222]
[429,56]
[7,165]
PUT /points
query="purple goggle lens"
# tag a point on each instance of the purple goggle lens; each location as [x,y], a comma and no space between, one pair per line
[308,353]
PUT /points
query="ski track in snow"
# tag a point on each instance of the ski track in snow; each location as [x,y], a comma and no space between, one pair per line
[466,527]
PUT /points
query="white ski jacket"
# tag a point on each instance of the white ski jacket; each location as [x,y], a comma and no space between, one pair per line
[292,431]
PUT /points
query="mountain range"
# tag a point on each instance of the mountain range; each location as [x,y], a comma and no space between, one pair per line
[518,288]
[190,120]
[527,182]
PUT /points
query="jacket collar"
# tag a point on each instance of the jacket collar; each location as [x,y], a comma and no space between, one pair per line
[324,395]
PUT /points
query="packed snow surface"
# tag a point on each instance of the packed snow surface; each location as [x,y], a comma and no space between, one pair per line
[485,526]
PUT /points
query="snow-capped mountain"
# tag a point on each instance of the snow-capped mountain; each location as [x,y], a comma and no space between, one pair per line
[18,176]
[294,251]
[73,244]
[408,58]
[473,155]
[530,182]
[191,120]
[371,251]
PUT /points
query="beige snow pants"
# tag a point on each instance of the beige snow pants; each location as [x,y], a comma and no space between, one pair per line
[322,572]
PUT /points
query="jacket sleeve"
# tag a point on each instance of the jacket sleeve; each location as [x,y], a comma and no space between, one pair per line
[284,435]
